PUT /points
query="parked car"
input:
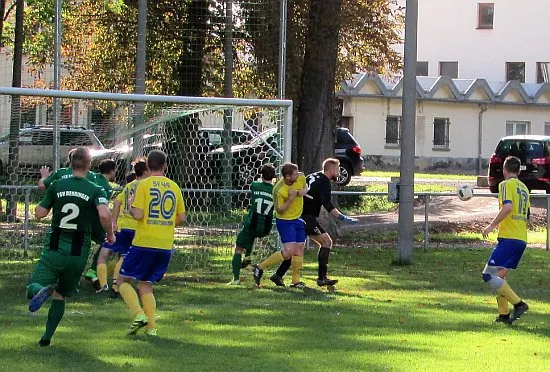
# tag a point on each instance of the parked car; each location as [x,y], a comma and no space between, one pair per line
[36,146]
[534,153]
[348,151]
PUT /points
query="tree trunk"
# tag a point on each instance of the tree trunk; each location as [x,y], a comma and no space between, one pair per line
[15,120]
[189,69]
[2,11]
[316,126]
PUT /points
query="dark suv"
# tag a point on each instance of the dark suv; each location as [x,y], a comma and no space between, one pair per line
[348,151]
[534,153]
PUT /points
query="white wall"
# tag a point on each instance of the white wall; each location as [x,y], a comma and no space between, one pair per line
[447,32]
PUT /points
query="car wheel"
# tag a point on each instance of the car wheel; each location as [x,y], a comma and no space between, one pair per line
[493,189]
[345,175]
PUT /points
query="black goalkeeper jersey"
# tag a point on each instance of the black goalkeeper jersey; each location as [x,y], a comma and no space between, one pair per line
[319,189]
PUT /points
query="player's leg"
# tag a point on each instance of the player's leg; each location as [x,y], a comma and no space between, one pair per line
[55,314]
[104,252]
[288,238]
[245,241]
[325,245]
[135,262]
[298,254]
[98,237]
[149,305]
[121,247]
[43,278]
[116,272]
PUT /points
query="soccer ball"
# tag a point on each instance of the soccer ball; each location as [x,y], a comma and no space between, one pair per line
[465,192]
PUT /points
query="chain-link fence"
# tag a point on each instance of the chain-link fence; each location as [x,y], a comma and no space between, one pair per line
[215,148]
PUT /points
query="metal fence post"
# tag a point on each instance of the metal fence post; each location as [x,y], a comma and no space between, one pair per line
[426,224]
[547,222]
[26,224]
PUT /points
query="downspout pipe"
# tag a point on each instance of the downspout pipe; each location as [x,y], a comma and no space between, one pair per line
[482,108]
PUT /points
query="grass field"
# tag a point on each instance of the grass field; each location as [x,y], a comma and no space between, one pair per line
[438,176]
[435,315]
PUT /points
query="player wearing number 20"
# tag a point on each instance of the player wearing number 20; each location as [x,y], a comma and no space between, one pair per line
[158,207]
[257,222]
[75,201]
[513,199]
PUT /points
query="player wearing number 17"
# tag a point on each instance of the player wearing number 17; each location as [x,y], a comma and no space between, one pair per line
[74,201]
[158,207]
[513,199]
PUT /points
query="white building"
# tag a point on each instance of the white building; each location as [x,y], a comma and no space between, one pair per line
[487,64]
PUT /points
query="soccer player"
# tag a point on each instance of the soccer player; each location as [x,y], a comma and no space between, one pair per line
[74,201]
[319,195]
[513,199]
[257,222]
[288,197]
[124,226]
[158,207]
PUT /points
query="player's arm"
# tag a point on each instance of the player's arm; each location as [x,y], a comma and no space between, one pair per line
[104,213]
[138,202]
[116,212]
[180,209]
[282,204]
[303,184]
[43,208]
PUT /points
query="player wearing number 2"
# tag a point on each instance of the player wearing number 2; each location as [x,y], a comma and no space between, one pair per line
[513,199]
[74,201]
[158,208]
[257,222]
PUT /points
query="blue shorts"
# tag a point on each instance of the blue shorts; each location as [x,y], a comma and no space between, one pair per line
[123,242]
[291,231]
[507,253]
[146,264]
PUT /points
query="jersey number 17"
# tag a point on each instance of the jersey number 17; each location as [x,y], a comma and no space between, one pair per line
[263,206]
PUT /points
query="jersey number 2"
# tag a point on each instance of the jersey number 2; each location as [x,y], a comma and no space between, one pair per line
[73,211]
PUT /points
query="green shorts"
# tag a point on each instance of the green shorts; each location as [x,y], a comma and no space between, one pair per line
[59,270]
[246,237]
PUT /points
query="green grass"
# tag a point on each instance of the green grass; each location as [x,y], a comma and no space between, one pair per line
[435,315]
[384,174]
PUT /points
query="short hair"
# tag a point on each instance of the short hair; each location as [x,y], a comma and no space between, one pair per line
[330,162]
[70,154]
[107,166]
[130,177]
[268,172]
[140,167]
[288,169]
[512,164]
[81,159]
[156,160]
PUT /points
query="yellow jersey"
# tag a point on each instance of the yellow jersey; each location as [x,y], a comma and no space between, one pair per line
[514,225]
[125,219]
[161,201]
[280,195]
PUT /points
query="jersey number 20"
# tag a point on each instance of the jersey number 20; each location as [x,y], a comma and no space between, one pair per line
[162,204]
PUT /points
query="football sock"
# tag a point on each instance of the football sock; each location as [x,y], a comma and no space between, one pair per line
[130,297]
[275,259]
[283,268]
[32,289]
[149,307]
[297,262]
[116,272]
[57,310]
[502,303]
[102,274]
[508,293]
[322,257]
[236,265]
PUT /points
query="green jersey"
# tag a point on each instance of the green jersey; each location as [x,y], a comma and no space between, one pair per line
[63,173]
[74,203]
[102,181]
[260,210]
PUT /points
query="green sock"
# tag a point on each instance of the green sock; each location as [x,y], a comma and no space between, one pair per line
[33,289]
[236,264]
[57,310]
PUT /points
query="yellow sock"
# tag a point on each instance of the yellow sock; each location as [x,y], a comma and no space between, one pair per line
[116,272]
[297,263]
[102,274]
[503,308]
[509,294]
[130,298]
[275,259]
[150,307]
[111,266]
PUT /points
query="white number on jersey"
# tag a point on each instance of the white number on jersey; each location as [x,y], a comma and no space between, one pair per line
[73,211]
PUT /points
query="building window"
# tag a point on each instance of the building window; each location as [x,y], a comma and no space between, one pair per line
[515,71]
[422,68]
[547,129]
[485,15]
[517,127]
[543,72]
[393,129]
[448,69]
[441,132]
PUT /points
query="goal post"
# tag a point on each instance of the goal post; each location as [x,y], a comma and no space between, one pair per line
[215,148]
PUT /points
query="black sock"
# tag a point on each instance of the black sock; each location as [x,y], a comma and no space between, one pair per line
[283,268]
[322,257]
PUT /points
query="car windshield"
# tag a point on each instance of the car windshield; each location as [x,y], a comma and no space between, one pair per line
[263,137]
[523,149]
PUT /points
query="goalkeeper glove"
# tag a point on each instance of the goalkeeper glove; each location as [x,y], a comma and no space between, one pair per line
[343,217]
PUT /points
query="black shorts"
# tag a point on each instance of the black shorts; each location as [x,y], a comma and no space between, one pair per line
[312,225]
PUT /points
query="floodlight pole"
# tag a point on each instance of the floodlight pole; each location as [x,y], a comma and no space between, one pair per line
[282,49]
[57,83]
[406,189]
[141,60]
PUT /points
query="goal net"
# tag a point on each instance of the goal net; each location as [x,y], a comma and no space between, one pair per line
[215,148]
